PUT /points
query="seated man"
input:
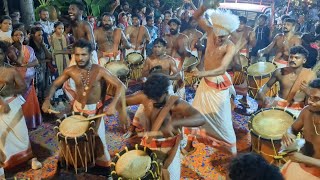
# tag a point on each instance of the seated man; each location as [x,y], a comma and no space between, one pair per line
[252,166]
[292,82]
[164,114]
[91,82]
[305,165]
[14,145]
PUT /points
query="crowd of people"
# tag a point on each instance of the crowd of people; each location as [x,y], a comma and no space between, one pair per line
[69,60]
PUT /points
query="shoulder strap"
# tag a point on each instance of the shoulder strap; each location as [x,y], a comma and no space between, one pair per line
[304,75]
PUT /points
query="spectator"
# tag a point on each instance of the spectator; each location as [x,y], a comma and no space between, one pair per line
[123,21]
[252,166]
[307,39]
[5,29]
[153,32]
[46,25]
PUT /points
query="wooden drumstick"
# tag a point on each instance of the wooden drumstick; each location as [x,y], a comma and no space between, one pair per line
[150,134]
[50,111]
[124,104]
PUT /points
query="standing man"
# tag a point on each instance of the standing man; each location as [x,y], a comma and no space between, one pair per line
[282,43]
[305,164]
[91,82]
[262,38]
[213,95]
[194,36]
[153,32]
[138,35]
[108,39]
[46,25]
[292,80]
[15,147]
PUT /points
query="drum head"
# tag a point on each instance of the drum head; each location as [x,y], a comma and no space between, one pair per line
[134,58]
[134,164]
[271,123]
[74,126]
[189,63]
[261,69]
[118,68]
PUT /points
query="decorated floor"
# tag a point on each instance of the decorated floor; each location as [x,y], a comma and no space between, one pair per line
[206,163]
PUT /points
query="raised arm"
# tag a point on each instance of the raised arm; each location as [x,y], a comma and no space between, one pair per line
[201,21]
[267,49]
[125,41]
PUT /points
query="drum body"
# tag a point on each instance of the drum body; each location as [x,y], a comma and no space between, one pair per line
[138,162]
[258,74]
[267,127]
[120,70]
[76,140]
[239,76]
[135,61]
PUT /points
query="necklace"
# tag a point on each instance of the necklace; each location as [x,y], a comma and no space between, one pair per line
[85,81]
[314,125]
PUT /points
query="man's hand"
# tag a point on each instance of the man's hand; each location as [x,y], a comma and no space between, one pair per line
[260,53]
[5,108]
[199,74]
[46,106]
[169,130]
[297,157]
[288,139]
[304,86]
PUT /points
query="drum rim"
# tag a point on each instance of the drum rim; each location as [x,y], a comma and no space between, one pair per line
[137,64]
[263,76]
[150,153]
[71,139]
[194,64]
[252,131]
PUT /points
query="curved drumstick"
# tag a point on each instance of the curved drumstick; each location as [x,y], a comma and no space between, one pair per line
[51,111]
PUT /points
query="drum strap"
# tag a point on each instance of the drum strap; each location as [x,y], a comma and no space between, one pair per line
[304,75]
[162,115]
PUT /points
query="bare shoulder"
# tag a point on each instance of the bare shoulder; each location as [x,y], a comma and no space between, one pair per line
[182,36]
[170,59]
[199,33]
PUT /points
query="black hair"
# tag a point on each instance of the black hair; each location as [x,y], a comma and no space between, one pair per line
[251,166]
[156,86]
[317,38]
[174,20]
[3,46]
[315,83]
[35,29]
[108,14]
[18,26]
[290,20]
[36,23]
[43,9]
[307,38]
[243,19]
[136,15]
[79,5]
[82,43]
[5,17]
[58,23]
[148,18]
[161,41]
[17,29]
[149,10]
[167,12]
[299,50]
[263,16]
[284,17]
[317,29]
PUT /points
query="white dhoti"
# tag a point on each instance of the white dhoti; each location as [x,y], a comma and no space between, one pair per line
[69,86]
[297,171]
[91,110]
[212,100]
[15,145]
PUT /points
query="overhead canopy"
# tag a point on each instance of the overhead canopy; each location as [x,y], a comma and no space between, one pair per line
[244,7]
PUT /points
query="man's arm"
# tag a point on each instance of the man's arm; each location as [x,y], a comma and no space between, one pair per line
[89,34]
[191,116]
[55,85]
[267,49]
[226,60]
[20,85]
[137,98]
[125,41]
[175,74]
[202,23]
[265,88]
[183,43]
[146,35]
[146,68]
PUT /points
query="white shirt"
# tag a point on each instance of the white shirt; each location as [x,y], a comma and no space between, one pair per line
[5,36]
[47,26]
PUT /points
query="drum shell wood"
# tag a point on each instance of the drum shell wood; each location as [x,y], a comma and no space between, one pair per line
[240,76]
[255,83]
[135,67]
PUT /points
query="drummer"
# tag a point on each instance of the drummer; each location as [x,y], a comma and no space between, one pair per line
[282,43]
[90,80]
[178,48]
[108,40]
[138,36]
[170,113]
[292,80]
[305,164]
[158,62]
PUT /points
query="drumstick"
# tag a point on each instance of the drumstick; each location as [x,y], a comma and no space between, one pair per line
[150,134]
[95,117]
[124,104]
[53,111]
